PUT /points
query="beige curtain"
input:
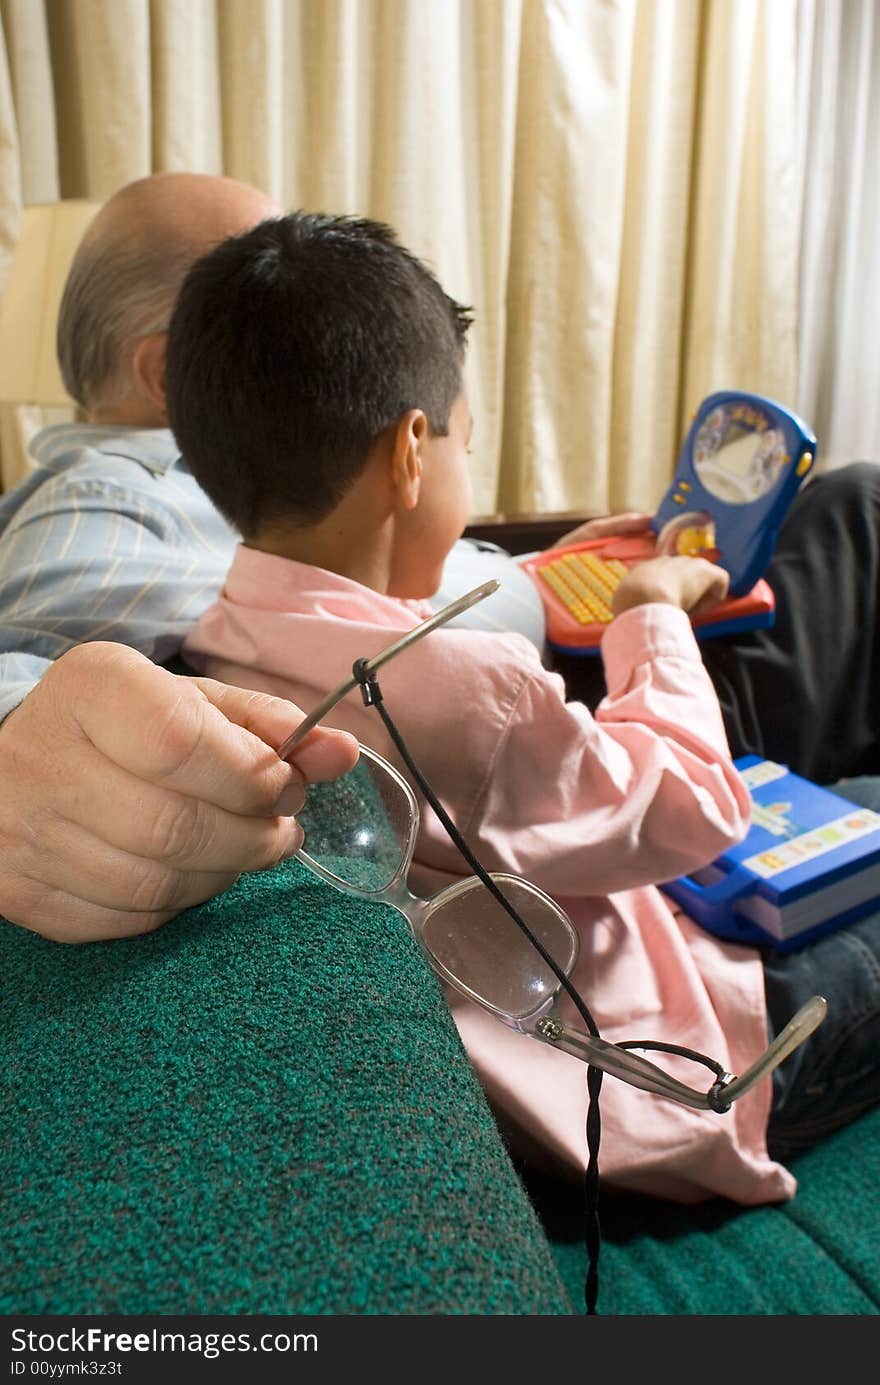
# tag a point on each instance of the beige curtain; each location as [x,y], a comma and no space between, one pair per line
[602,181]
[839,173]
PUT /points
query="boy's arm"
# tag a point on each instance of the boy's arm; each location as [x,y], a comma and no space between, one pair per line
[643,792]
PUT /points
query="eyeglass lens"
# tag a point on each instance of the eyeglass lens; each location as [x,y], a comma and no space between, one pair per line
[358,827]
[469,933]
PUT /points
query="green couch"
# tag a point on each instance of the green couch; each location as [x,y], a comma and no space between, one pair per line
[265,1108]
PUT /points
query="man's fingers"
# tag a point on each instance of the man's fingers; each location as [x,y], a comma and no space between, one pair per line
[63,918]
[131,793]
[187,734]
[163,729]
[324,754]
[114,881]
[160,824]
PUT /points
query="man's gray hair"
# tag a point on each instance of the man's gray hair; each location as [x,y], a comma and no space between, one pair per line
[114,296]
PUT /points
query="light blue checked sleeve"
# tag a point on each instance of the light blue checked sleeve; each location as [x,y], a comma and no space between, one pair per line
[111,538]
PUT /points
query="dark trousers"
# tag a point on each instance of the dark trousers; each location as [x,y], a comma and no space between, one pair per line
[807,691]
[835,1075]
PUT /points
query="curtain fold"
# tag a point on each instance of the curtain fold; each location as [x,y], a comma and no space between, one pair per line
[33,115]
[599,179]
[568,197]
[101,72]
[741,307]
[838,162]
[654,254]
[186,130]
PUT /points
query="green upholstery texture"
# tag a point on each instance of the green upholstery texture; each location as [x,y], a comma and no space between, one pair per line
[262,1108]
[817,1254]
[265,1108]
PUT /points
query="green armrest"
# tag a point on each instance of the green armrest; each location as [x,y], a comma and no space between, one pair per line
[262,1108]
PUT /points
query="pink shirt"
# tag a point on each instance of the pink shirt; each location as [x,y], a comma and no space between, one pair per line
[593,810]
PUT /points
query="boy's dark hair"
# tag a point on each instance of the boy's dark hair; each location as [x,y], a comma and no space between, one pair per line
[291,348]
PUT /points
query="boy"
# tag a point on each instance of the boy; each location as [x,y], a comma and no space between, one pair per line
[315,385]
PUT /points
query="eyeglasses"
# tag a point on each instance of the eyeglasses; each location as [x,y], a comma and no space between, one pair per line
[497,939]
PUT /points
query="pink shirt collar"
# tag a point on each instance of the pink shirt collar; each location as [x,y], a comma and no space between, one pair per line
[267,582]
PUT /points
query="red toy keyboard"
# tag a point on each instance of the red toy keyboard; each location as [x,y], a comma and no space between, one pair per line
[576,585]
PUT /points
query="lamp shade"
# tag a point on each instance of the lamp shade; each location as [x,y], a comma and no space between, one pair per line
[29,307]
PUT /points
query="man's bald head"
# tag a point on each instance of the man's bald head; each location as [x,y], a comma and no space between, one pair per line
[128,268]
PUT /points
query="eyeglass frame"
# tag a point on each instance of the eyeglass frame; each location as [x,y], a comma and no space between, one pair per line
[616,1059]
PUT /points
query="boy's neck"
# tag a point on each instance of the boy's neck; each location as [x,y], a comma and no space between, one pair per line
[360,556]
[374,536]
[355,540]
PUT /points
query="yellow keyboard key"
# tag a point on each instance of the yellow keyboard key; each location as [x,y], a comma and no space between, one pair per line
[584,584]
[569,598]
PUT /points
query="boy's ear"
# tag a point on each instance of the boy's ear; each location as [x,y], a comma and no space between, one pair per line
[410,434]
[148,366]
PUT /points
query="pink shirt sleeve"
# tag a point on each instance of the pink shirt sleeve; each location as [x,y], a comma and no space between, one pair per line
[641,793]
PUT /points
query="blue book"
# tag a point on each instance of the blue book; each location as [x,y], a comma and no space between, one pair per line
[809,863]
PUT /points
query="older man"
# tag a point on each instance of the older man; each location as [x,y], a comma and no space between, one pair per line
[129,793]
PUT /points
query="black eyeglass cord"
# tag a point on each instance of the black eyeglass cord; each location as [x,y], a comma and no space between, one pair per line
[372,696]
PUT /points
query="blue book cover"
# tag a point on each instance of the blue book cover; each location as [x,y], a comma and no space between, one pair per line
[810,862]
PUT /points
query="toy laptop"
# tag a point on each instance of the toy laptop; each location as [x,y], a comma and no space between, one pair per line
[740,466]
[809,863]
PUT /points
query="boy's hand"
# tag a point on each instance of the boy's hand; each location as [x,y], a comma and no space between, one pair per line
[609,526]
[692,584]
[130,794]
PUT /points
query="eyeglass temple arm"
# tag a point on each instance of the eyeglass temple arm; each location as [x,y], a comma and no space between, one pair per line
[639,1072]
[455,608]
[799,1027]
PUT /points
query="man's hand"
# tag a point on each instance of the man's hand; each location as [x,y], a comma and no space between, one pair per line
[693,584]
[609,526]
[129,794]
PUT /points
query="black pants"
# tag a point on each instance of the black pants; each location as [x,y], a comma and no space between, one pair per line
[807,691]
